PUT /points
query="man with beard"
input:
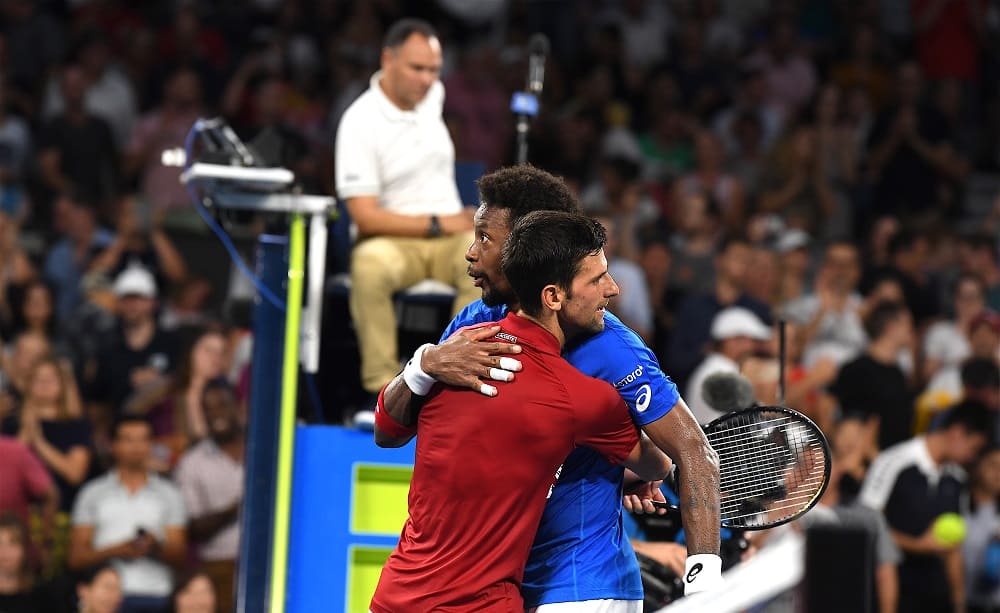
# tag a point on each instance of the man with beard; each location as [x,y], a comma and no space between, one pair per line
[464,546]
[580,558]
[133,518]
[210,477]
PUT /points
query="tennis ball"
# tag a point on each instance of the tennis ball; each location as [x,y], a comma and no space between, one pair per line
[949,529]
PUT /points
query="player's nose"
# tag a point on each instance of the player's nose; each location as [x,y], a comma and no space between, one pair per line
[612,288]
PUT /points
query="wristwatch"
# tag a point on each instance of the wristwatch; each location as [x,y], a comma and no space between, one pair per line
[434,230]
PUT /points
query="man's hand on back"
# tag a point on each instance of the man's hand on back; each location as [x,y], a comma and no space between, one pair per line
[468,356]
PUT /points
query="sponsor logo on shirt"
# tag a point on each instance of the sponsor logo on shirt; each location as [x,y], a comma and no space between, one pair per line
[629,378]
[642,398]
[694,572]
[506,337]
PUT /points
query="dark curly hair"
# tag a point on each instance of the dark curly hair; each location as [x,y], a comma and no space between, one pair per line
[522,189]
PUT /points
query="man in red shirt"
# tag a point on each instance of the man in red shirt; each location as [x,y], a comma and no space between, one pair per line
[485,465]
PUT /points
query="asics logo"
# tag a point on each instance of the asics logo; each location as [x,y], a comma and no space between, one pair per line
[642,398]
[693,573]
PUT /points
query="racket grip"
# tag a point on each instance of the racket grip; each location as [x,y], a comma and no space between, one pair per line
[664,505]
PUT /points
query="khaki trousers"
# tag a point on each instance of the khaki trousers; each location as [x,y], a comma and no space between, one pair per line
[383,265]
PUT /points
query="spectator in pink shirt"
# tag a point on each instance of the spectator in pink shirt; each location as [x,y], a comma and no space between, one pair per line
[24,481]
[164,128]
[789,73]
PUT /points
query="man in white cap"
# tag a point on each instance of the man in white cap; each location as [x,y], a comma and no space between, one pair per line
[735,332]
[139,351]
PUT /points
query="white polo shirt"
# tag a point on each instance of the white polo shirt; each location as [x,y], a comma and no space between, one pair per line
[116,514]
[406,158]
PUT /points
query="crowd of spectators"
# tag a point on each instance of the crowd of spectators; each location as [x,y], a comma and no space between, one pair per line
[831,162]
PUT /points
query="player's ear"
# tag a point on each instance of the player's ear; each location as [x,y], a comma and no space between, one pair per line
[552,297]
[388,55]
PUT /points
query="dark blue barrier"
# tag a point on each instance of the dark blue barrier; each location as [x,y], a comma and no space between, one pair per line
[262,430]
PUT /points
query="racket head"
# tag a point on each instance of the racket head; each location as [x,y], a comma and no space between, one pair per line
[774,465]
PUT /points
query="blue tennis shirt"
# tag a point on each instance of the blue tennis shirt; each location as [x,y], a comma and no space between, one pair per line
[581,551]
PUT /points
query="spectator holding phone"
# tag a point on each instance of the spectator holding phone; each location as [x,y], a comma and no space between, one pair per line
[133,518]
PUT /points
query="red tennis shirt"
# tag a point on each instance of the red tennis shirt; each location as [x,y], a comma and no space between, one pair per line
[484,468]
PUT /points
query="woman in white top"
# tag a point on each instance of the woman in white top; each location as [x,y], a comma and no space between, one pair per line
[946,344]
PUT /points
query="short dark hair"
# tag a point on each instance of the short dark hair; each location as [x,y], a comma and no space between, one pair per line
[626,168]
[401,30]
[980,373]
[883,314]
[978,240]
[217,383]
[129,418]
[728,240]
[970,278]
[186,578]
[548,247]
[973,416]
[89,574]
[904,240]
[12,521]
[79,198]
[523,188]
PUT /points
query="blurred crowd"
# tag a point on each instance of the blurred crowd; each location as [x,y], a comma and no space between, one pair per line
[832,163]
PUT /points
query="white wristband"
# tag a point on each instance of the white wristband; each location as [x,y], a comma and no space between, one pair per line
[419,382]
[702,572]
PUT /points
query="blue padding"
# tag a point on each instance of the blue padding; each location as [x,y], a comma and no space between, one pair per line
[321,506]
[466,175]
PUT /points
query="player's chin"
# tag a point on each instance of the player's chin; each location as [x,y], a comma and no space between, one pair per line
[491,297]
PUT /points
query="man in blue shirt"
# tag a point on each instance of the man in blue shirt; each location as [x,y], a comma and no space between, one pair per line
[581,554]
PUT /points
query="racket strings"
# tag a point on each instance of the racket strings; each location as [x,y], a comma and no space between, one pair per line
[772,464]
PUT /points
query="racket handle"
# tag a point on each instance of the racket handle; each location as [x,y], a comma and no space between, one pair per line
[665,505]
[781,361]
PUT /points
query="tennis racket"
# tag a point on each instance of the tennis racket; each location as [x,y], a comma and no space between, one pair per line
[774,465]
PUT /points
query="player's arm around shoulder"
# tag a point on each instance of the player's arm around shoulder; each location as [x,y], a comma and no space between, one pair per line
[464,360]
[471,355]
